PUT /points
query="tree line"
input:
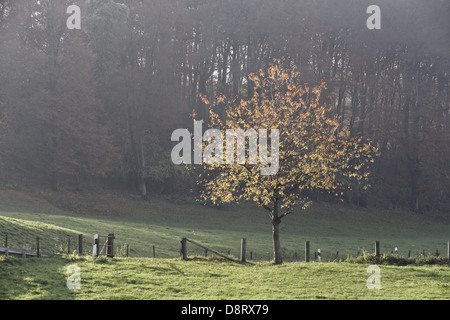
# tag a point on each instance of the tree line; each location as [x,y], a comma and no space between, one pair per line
[96,107]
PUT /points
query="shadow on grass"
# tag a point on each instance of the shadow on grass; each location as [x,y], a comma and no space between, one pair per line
[34,279]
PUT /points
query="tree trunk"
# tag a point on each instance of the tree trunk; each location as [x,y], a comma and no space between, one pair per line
[277,254]
[55,180]
[135,135]
[140,163]
[141,185]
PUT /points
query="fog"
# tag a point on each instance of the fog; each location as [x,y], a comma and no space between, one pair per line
[96,106]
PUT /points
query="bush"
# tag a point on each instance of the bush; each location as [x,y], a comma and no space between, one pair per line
[371,258]
[101,260]
[441,260]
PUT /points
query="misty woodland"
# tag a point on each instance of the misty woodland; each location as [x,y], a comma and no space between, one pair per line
[95,107]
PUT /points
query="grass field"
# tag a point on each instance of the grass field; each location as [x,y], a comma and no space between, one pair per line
[163,222]
[213,279]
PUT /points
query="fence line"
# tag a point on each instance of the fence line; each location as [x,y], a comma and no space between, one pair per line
[82,245]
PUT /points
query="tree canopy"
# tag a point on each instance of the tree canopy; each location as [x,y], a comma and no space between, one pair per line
[313,153]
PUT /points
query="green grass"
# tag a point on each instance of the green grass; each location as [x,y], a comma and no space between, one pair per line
[211,279]
[163,222]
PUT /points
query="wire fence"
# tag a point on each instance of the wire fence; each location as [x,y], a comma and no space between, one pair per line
[83,244]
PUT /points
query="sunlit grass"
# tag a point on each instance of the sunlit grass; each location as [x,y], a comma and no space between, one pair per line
[206,279]
[333,229]
[330,228]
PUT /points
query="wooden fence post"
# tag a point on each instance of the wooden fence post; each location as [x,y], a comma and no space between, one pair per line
[37,247]
[110,246]
[448,250]
[154,252]
[6,240]
[80,244]
[377,248]
[183,249]
[243,245]
[96,248]
[127,250]
[307,251]
[68,244]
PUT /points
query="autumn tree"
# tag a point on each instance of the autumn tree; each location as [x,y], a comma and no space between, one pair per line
[313,152]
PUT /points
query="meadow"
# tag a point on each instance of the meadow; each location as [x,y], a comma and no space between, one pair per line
[163,222]
[213,279]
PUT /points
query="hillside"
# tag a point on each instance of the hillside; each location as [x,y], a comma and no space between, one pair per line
[161,222]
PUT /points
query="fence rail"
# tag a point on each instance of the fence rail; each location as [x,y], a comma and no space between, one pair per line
[184,249]
[20,252]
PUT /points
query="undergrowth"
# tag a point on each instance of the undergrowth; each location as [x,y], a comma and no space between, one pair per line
[391,259]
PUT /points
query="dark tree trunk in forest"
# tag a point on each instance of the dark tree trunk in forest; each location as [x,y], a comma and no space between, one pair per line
[412,114]
[137,153]
[54,34]
[135,137]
